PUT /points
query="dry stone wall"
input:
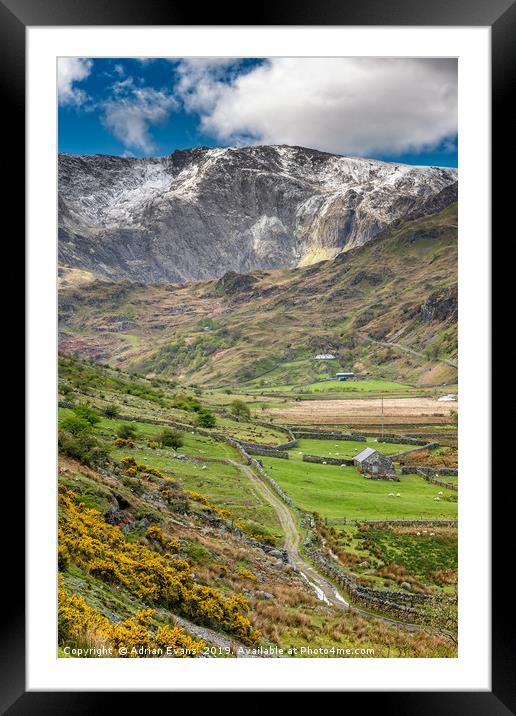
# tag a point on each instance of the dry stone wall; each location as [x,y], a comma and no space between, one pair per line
[414,451]
[327,460]
[264,450]
[327,435]
[401,438]
[431,475]
[409,523]
[435,471]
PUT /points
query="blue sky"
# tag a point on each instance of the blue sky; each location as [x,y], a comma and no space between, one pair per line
[402,110]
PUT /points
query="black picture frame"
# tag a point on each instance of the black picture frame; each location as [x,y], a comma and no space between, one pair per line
[500,16]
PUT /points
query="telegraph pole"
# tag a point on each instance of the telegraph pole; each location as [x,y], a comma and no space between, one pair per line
[382,417]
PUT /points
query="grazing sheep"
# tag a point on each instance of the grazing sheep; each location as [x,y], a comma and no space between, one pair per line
[398,494]
[391,494]
[437,499]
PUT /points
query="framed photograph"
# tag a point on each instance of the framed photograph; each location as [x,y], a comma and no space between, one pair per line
[259,328]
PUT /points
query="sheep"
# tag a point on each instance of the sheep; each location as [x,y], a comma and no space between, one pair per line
[437,499]
[391,494]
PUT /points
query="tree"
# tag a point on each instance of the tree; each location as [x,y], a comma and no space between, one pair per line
[205,418]
[111,411]
[126,430]
[84,411]
[445,614]
[171,438]
[240,409]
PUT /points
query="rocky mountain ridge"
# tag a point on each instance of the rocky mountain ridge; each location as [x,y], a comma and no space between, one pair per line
[199,213]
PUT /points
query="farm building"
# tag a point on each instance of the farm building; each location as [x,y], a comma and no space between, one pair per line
[344,376]
[324,356]
[374,465]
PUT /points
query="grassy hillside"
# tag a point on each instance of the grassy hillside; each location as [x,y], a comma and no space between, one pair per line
[387,310]
[168,549]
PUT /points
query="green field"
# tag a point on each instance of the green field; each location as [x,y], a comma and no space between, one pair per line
[344,448]
[373,387]
[421,554]
[341,492]
[359,386]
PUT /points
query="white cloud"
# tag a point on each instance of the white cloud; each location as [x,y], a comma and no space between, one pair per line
[342,105]
[203,80]
[71,70]
[131,111]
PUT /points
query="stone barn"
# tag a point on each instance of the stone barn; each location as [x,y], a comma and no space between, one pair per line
[375,466]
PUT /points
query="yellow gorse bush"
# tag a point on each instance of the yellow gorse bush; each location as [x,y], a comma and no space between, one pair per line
[132,468]
[220,511]
[197,497]
[124,442]
[154,533]
[246,574]
[80,625]
[162,579]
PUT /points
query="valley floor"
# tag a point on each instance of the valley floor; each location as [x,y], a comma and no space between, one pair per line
[279,552]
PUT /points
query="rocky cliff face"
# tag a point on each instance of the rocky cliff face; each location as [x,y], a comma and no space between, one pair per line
[202,212]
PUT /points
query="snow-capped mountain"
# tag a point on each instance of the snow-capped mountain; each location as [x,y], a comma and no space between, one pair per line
[202,212]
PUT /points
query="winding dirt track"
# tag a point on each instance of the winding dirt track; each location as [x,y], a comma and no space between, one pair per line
[326,592]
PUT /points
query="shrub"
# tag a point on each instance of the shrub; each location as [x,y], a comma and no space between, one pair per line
[75,425]
[171,438]
[240,409]
[188,403]
[111,411]
[126,430]
[128,461]
[205,418]
[124,442]
[84,411]
[154,533]
[246,574]
[83,447]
